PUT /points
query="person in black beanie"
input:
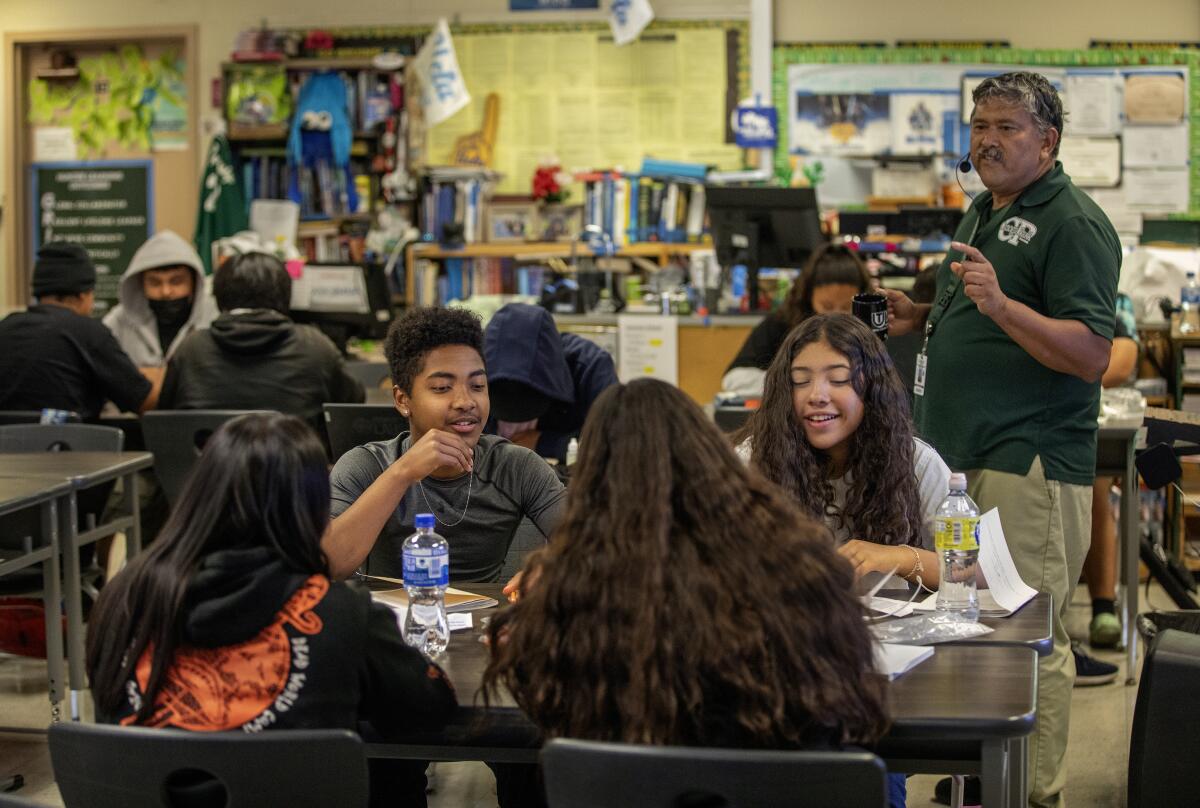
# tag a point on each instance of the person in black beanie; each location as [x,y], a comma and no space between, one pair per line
[54,355]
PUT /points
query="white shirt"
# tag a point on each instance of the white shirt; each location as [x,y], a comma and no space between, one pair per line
[933,483]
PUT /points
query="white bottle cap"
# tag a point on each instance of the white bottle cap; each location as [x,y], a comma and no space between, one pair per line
[958,481]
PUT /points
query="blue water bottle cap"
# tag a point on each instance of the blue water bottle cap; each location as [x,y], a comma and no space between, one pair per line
[424,521]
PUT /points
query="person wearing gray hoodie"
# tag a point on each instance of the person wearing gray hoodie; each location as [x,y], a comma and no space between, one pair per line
[164,296]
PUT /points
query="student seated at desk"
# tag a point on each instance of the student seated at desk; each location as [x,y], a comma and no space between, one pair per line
[834,431]
[541,383]
[199,631]
[253,357]
[54,355]
[479,487]
[831,278]
[683,599]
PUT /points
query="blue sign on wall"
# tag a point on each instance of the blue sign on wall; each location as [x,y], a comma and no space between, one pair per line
[756,127]
[553,5]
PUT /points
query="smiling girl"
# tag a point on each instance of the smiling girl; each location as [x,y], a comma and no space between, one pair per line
[834,431]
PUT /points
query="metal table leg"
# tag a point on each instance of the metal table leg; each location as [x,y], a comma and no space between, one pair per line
[73,592]
[1129,539]
[133,539]
[993,775]
[52,601]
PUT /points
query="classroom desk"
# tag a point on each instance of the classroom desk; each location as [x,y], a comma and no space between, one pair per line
[1031,626]
[966,710]
[17,494]
[81,470]
[1114,458]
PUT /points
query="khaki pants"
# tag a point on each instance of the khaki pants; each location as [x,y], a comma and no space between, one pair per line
[1047,525]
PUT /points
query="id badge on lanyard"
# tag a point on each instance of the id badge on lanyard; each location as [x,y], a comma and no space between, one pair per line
[939,308]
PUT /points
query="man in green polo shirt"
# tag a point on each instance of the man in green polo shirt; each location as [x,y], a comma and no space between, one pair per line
[1007,386]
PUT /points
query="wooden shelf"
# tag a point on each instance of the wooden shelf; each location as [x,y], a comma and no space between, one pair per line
[551,249]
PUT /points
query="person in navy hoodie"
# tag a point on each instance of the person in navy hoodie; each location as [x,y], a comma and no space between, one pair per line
[542,383]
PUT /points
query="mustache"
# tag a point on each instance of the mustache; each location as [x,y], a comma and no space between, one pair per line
[990,153]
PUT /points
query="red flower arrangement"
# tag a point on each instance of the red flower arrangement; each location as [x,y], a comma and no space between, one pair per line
[547,184]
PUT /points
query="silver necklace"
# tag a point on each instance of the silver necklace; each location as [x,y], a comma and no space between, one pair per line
[467,507]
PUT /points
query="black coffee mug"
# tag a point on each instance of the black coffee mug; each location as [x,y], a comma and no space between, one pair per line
[871,308]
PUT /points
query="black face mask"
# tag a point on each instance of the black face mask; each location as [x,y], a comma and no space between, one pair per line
[168,313]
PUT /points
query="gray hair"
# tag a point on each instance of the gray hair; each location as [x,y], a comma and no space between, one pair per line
[1032,92]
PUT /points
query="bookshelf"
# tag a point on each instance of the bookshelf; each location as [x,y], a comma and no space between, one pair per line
[333,226]
[658,252]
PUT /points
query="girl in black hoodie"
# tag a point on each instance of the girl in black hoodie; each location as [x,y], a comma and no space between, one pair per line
[229,621]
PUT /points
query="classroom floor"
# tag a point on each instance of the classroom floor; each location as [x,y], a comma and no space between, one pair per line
[1097,758]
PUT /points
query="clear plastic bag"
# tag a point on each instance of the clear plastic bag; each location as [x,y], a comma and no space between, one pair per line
[928,629]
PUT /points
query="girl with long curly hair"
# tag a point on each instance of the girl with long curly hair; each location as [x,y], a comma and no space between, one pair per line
[834,431]
[831,278]
[684,600]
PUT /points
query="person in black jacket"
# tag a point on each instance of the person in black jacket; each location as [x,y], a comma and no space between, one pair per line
[253,357]
[54,355]
[230,621]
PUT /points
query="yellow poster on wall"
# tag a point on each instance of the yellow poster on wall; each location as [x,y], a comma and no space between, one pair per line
[575,97]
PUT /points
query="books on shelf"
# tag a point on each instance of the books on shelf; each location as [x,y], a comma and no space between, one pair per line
[460,278]
[633,208]
[455,195]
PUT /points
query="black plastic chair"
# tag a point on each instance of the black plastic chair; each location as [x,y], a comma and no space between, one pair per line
[730,418]
[587,774]
[60,438]
[350,425]
[176,438]
[30,417]
[102,766]
[1165,718]
[369,374]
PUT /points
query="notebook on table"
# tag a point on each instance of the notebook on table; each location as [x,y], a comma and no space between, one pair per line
[390,592]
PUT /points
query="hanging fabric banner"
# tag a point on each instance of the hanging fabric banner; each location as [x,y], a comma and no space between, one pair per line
[628,18]
[443,91]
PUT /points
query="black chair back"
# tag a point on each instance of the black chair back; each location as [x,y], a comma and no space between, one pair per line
[103,766]
[1165,718]
[176,438]
[588,774]
[60,438]
[31,417]
[369,374]
[350,425]
[731,419]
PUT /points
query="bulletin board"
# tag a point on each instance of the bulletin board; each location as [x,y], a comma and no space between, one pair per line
[1132,133]
[567,91]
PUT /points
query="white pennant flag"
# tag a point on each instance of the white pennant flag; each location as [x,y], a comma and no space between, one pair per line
[628,18]
[443,91]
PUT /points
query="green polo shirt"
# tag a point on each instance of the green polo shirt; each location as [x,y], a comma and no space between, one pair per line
[989,404]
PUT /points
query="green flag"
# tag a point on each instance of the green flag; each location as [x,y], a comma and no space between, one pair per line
[222,210]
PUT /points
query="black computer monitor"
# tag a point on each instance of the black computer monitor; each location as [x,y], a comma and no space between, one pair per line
[763,227]
[343,300]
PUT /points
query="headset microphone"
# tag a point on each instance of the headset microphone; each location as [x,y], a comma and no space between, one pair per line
[965,165]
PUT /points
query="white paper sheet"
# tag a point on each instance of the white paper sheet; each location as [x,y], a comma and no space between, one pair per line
[1161,190]
[889,606]
[892,660]
[917,123]
[457,621]
[648,346]
[54,144]
[1112,201]
[1155,98]
[1091,104]
[1005,586]
[443,88]
[1092,161]
[1155,146]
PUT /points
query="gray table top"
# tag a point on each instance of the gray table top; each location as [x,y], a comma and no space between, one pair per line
[80,469]
[17,493]
[962,691]
[1031,626]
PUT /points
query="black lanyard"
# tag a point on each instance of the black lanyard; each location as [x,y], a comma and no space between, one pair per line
[947,296]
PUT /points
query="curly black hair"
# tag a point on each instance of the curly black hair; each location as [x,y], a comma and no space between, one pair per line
[418,331]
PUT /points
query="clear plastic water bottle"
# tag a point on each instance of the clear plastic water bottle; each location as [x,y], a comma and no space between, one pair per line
[956,536]
[426,575]
[572,451]
[1189,306]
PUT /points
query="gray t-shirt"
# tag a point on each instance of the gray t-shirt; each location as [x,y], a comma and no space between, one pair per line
[509,482]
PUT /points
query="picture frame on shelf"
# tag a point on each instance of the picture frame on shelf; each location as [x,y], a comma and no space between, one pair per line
[559,222]
[514,221]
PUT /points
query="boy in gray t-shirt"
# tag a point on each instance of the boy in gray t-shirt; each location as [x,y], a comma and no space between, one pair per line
[478,488]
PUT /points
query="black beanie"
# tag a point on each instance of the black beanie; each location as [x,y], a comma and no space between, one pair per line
[63,268]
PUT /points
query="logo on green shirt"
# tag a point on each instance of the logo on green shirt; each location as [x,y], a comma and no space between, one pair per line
[1017,231]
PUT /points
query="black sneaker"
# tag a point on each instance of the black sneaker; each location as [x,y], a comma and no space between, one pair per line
[971,797]
[1090,671]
